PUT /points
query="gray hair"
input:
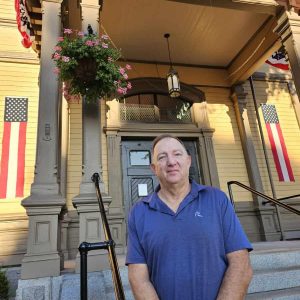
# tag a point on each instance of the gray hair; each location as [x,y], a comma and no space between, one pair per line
[166,136]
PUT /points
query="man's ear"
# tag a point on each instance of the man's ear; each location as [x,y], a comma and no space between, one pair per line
[152,166]
[190,160]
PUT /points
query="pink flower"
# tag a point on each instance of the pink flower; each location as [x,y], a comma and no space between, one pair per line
[57,48]
[56,56]
[65,58]
[96,42]
[128,67]
[104,45]
[129,86]
[104,36]
[56,71]
[122,71]
[120,90]
[60,39]
[110,59]
[125,76]
[89,43]
[67,31]
[80,33]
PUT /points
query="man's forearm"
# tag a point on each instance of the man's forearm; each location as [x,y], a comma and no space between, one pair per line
[235,282]
[143,291]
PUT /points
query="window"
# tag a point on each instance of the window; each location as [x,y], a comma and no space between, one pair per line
[139,158]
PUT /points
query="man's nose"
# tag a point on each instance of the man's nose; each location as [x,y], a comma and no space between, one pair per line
[171,160]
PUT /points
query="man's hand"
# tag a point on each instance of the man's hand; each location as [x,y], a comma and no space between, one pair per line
[141,286]
[237,277]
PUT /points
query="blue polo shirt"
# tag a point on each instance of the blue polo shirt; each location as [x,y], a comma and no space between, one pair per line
[185,251]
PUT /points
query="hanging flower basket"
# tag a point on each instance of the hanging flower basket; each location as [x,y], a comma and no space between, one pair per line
[88,64]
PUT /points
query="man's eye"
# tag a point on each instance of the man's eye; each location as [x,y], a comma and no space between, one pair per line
[161,157]
[178,154]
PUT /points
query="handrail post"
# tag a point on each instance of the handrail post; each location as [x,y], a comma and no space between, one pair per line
[109,245]
[83,250]
[119,292]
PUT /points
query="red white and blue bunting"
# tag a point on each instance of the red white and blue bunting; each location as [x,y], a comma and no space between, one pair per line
[278,60]
[24,24]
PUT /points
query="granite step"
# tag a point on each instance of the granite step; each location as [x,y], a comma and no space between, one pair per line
[285,294]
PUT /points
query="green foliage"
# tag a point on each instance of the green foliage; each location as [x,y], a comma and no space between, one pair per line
[4,286]
[88,65]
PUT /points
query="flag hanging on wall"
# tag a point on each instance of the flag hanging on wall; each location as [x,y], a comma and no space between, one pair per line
[13,148]
[278,60]
[24,24]
[279,151]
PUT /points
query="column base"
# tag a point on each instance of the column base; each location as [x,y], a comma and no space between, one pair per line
[97,261]
[35,266]
[91,229]
[44,257]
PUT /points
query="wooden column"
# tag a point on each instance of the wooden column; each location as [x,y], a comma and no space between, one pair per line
[44,205]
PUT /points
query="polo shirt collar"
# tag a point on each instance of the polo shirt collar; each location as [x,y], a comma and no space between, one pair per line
[156,203]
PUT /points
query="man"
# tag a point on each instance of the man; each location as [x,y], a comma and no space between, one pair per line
[184,240]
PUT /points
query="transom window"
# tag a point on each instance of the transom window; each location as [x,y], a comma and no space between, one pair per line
[155,108]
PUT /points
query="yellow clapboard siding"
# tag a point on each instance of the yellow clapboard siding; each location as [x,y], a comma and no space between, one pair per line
[226,140]
[21,81]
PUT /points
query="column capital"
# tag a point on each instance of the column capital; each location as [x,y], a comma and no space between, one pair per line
[287,23]
[239,97]
[43,2]
[90,15]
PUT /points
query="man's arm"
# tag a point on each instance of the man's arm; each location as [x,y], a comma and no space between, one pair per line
[237,276]
[140,283]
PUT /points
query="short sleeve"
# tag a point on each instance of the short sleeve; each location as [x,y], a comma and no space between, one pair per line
[135,252]
[234,236]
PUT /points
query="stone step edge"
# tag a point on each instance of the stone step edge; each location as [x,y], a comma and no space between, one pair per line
[279,270]
[273,281]
[283,292]
[272,251]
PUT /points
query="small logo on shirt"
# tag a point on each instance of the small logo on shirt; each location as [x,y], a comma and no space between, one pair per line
[198,214]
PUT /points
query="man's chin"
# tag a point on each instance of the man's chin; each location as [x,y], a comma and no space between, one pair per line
[174,179]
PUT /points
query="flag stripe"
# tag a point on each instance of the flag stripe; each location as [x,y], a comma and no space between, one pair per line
[21,160]
[285,154]
[4,159]
[13,160]
[273,148]
[278,149]
[278,65]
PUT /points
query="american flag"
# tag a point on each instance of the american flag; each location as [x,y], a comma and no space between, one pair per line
[13,148]
[278,60]
[279,151]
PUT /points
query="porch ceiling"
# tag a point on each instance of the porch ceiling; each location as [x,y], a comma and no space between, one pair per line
[200,35]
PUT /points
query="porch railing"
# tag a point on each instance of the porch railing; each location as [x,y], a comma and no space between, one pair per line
[108,245]
[152,114]
[269,199]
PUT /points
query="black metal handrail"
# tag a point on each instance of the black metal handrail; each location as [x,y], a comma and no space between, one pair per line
[288,207]
[281,199]
[109,245]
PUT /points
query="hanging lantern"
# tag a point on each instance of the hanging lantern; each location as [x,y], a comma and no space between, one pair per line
[172,77]
[173,83]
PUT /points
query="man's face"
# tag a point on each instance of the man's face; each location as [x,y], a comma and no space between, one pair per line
[171,163]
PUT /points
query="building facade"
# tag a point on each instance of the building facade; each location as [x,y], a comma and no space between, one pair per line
[215,50]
